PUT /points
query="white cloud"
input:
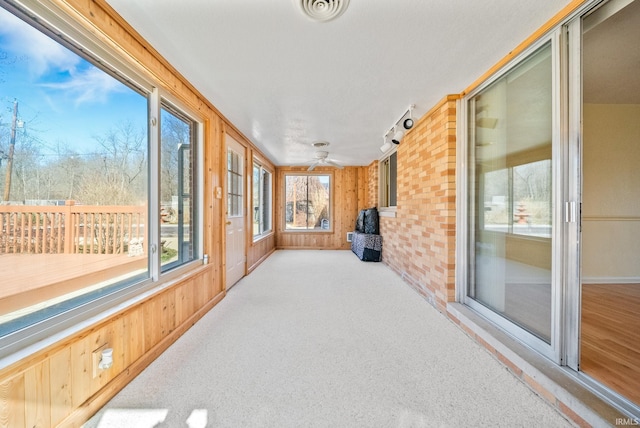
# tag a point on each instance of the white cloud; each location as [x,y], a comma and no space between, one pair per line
[87,86]
[40,52]
[49,61]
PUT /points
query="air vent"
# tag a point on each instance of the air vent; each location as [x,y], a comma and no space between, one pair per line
[323,10]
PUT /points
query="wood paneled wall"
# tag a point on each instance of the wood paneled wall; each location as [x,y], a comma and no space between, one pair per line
[349,194]
[56,385]
[260,250]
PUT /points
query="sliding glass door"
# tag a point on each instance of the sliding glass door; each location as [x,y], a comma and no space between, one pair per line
[511,189]
[549,236]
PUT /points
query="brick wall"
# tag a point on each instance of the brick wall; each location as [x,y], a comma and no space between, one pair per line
[372,185]
[419,243]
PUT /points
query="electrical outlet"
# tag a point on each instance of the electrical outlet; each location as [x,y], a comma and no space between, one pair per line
[96,356]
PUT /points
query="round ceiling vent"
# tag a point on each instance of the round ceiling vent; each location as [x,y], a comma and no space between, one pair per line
[320,144]
[323,10]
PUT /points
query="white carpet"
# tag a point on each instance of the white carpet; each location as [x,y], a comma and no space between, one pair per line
[321,339]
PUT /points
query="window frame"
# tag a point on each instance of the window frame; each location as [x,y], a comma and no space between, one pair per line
[63,30]
[175,108]
[267,230]
[385,209]
[284,201]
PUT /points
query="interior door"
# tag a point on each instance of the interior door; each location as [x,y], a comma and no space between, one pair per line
[235,213]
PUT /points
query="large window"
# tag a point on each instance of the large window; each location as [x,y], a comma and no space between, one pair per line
[389,181]
[307,202]
[261,200]
[78,181]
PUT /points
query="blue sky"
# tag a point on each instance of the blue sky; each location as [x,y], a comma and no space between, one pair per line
[62,99]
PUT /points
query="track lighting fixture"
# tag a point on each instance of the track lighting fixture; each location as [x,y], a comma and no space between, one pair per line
[397,136]
[408,122]
[386,146]
[396,131]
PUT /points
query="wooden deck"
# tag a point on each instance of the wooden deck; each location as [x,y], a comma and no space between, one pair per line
[610,349]
[29,279]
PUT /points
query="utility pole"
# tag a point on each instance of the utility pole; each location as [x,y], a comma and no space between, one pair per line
[12,145]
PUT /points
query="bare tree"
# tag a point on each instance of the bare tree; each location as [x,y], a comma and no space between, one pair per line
[115,174]
[175,132]
[307,201]
[27,157]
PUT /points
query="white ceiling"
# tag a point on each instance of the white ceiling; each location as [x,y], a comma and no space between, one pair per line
[611,55]
[285,81]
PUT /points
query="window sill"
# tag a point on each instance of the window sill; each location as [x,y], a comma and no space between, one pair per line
[387,212]
[258,238]
[58,329]
[325,231]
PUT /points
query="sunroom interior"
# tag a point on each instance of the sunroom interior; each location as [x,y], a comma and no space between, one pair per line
[152,158]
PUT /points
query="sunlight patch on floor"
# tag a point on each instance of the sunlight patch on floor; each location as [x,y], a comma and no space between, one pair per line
[147,418]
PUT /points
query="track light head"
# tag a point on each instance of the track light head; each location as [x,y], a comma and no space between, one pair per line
[408,123]
[397,137]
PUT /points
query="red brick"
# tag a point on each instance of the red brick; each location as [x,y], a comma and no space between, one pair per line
[507,362]
[573,415]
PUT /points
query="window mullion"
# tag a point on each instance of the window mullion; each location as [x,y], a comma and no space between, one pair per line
[261,200]
[511,203]
[307,202]
[154,185]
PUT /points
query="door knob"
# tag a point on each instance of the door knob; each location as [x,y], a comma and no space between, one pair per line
[228,223]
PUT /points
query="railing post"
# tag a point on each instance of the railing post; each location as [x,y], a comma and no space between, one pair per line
[68,227]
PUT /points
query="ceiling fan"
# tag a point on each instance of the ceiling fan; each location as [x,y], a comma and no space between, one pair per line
[321,159]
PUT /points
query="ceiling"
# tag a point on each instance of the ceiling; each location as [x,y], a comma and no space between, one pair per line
[611,56]
[286,81]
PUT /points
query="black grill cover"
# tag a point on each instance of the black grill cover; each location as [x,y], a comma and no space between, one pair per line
[371,224]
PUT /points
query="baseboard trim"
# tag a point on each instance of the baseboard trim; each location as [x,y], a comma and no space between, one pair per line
[611,279]
[260,260]
[311,248]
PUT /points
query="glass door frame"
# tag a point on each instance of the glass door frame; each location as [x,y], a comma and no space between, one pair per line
[552,350]
[564,348]
[572,129]
[572,69]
